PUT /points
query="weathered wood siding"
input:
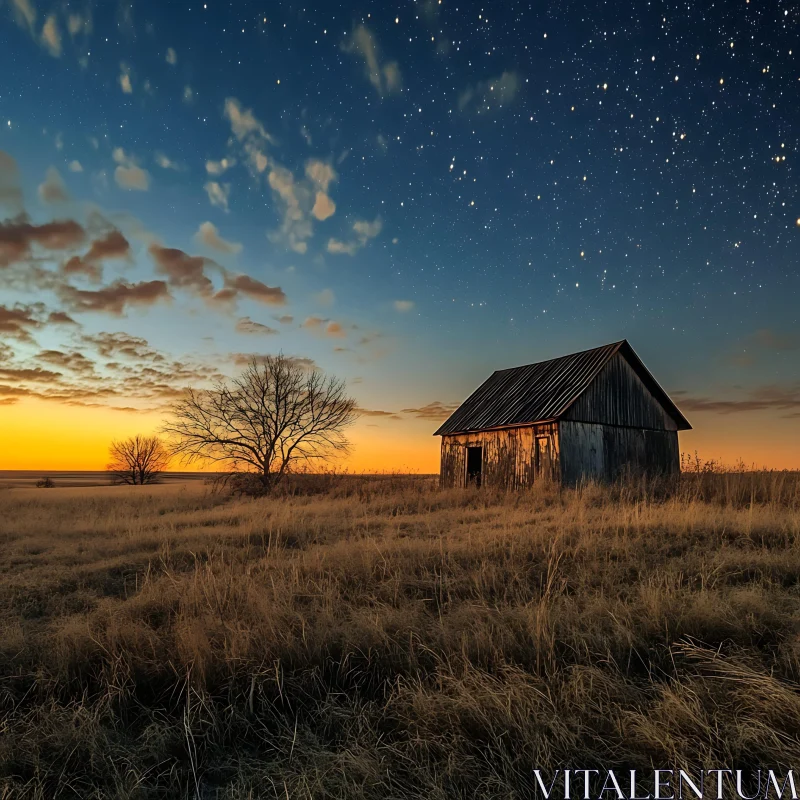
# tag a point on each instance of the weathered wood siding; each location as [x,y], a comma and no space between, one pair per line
[509,456]
[590,451]
[617,396]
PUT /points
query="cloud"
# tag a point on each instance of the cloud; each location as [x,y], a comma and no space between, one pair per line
[188,94]
[77,23]
[10,190]
[18,321]
[167,163]
[326,326]
[367,230]
[434,411]
[368,412]
[218,194]
[60,318]
[386,78]
[246,325]
[300,200]
[75,166]
[290,196]
[77,266]
[125,78]
[51,36]
[17,236]
[285,319]
[112,246]
[116,297]
[403,305]
[256,290]
[24,13]
[320,173]
[208,235]
[128,175]
[490,95]
[53,190]
[250,133]
[218,167]
[183,270]
[324,207]
[764,398]
[363,230]
[189,272]
[243,121]
[29,374]
[112,345]
[335,329]
[338,247]
[326,297]
[73,361]
[172,57]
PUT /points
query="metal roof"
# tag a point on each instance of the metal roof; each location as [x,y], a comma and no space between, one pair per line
[544,391]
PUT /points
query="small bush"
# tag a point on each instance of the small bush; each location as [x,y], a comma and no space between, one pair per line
[45,483]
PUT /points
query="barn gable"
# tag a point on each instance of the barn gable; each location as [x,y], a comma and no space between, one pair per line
[618,396]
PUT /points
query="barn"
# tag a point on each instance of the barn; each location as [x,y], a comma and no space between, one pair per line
[586,416]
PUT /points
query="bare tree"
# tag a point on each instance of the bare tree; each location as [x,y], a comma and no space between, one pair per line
[275,416]
[138,460]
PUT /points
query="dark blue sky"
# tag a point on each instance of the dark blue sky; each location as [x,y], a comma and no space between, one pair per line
[436,189]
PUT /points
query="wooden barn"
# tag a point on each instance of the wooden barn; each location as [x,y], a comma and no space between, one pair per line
[586,416]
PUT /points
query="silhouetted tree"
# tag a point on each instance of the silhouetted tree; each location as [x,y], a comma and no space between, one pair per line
[137,460]
[275,415]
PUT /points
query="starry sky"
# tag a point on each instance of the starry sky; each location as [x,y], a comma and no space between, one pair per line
[408,196]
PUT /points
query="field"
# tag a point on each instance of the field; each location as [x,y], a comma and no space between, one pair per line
[384,639]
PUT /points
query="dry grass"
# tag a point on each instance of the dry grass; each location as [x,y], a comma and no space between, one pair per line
[388,640]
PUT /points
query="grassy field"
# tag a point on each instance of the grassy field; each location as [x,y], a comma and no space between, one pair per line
[385,639]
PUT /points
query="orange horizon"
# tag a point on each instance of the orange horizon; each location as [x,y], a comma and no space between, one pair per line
[43,436]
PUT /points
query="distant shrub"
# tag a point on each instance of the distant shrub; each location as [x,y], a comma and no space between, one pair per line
[45,483]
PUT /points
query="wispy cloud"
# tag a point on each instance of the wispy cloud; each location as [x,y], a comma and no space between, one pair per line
[433,411]
[165,162]
[250,133]
[208,235]
[128,174]
[363,230]
[18,321]
[171,57]
[218,194]
[125,78]
[770,397]
[53,190]
[247,325]
[328,327]
[403,306]
[51,36]
[385,77]
[17,237]
[115,298]
[490,95]
[218,167]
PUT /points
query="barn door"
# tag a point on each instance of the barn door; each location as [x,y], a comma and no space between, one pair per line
[544,459]
[474,466]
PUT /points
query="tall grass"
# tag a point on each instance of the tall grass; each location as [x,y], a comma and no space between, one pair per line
[385,639]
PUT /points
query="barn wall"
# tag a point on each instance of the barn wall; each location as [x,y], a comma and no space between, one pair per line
[617,396]
[509,456]
[601,452]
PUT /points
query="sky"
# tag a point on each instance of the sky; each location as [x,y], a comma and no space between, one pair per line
[407,196]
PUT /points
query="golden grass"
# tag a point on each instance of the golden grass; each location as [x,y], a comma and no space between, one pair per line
[390,640]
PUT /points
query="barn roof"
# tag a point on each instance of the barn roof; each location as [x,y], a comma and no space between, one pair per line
[546,390]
